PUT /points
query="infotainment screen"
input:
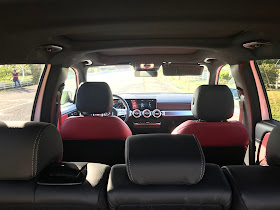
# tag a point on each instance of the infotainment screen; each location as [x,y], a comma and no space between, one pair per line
[142,104]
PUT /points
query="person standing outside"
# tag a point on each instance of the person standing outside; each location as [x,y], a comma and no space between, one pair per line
[15,79]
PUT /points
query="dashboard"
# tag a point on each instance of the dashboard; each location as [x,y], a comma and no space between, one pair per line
[151,113]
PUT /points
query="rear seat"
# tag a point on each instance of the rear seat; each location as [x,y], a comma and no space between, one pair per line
[166,171]
[162,171]
[258,187]
[31,176]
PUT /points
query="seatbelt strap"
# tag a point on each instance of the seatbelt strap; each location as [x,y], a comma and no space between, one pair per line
[241,103]
[58,105]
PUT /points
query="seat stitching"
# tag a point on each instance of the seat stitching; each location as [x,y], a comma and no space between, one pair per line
[129,169]
[37,147]
[33,152]
[202,169]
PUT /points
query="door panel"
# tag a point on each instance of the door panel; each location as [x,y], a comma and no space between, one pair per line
[263,130]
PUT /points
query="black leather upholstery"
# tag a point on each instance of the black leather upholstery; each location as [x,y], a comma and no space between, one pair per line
[94,98]
[32,178]
[90,194]
[164,159]
[163,171]
[273,147]
[212,103]
[257,187]
[212,192]
[27,148]
[105,151]
[254,187]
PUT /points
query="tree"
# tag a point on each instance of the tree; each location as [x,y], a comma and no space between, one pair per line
[224,77]
[269,73]
[6,72]
[36,71]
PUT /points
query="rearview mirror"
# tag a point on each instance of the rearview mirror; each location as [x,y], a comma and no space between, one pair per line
[145,73]
[176,69]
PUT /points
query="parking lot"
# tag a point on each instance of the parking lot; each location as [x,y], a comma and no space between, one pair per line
[17,104]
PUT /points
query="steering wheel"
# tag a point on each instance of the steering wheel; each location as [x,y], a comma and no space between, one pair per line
[121,112]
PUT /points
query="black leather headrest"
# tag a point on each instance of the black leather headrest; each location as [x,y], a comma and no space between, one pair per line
[94,98]
[164,159]
[27,148]
[273,147]
[212,103]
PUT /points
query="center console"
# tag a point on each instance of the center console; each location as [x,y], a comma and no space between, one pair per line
[144,112]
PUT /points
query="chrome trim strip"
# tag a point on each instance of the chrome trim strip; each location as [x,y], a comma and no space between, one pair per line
[147,124]
[171,113]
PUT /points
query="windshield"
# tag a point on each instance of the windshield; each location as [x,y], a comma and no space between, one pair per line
[121,79]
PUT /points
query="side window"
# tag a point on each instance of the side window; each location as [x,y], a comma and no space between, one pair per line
[69,91]
[18,86]
[270,75]
[225,78]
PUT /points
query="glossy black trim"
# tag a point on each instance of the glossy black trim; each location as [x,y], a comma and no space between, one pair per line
[38,91]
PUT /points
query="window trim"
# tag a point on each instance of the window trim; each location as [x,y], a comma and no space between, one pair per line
[263,98]
[37,106]
[218,74]
[77,76]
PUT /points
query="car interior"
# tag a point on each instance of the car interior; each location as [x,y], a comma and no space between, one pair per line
[143,105]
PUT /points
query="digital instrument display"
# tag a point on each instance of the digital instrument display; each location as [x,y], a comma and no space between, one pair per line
[117,104]
[142,104]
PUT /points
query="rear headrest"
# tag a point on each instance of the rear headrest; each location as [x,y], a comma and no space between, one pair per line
[164,159]
[273,147]
[27,148]
[212,103]
[94,98]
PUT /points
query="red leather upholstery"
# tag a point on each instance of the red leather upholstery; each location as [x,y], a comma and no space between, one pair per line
[262,154]
[216,133]
[94,128]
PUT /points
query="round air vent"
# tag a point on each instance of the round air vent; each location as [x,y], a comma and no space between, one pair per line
[157,113]
[136,113]
[147,113]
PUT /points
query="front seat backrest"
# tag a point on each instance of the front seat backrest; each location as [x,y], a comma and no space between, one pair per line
[223,142]
[166,171]
[94,138]
[257,187]
[32,176]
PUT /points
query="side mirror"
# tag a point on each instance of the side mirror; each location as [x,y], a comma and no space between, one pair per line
[234,94]
[66,97]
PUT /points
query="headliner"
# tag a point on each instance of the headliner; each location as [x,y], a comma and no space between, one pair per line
[111,32]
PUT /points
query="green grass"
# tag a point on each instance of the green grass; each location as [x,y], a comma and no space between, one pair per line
[274,100]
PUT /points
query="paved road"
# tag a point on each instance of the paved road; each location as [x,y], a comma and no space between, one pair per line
[17,104]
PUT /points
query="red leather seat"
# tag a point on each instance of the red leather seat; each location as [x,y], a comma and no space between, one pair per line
[94,138]
[224,142]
